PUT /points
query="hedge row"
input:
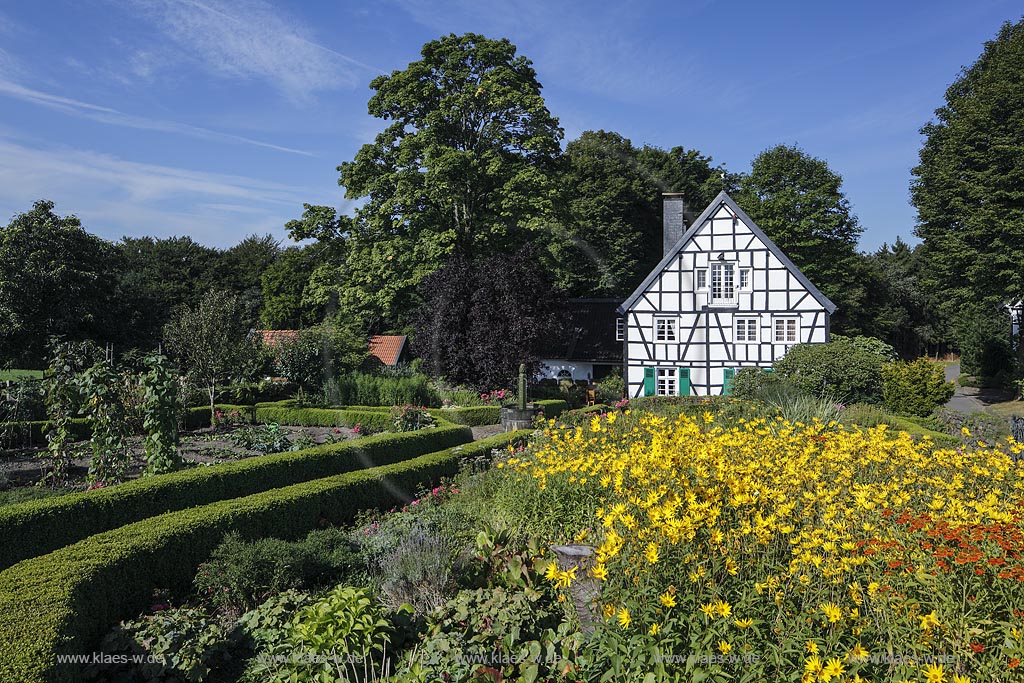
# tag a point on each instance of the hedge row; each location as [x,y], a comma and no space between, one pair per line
[40,526]
[31,433]
[62,603]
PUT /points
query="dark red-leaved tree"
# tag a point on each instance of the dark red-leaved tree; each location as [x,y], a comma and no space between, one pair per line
[481,319]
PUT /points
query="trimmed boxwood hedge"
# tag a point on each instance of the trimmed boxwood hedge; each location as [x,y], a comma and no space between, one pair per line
[62,603]
[40,526]
[473,417]
[31,433]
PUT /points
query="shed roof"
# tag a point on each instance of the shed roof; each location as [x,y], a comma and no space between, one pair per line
[387,347]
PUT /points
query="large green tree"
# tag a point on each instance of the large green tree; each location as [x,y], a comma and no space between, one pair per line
[612,209]
[158,275]
[799,203]
[55,279]
[969,186]
[465,166]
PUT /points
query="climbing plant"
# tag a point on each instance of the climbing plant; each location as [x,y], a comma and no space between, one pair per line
[102,406]
[160,415]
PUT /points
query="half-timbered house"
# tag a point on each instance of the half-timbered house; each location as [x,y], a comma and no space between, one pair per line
[724,297]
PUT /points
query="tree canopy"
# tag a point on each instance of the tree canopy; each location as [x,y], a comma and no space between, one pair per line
[56,279]
[969,185]
[799,203]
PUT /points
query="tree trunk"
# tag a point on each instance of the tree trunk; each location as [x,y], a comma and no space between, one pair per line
[212,388]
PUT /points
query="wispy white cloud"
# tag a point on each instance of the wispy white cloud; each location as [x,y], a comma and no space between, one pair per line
[250,39]
[115,197]
[114,117]
[584,49]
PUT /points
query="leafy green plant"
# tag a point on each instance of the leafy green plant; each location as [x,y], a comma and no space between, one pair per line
[103,409]
[160,416]
[611,388]
[241,575]
[410,418]
[269,438]
[63,400]
[847,369]
[344,633]
[915,388]
[267,625]
[184,644]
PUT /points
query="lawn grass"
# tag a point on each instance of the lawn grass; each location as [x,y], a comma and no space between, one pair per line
[1006,408]
[20,374]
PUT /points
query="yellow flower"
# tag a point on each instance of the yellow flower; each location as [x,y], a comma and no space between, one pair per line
[599,572]
[833,669]
[813,665]
[961,679]
[723,609]
[655,629]
[667,599]
[933,673]
[929,620]
[624,619]
[651,553]
[811,647]
[551,573]
[743,623]
[858,653]
[708,609]
[608,610]
[724,647]
[831,611]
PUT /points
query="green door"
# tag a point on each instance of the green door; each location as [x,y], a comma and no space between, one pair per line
[684,381]
[727,381]
[649,382]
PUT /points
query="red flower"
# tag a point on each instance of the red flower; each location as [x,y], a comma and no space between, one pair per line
[1014,663]
[977,647]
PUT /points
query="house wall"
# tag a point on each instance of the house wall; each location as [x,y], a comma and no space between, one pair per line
[705,334]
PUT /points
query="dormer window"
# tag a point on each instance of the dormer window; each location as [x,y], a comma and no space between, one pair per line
[723,284]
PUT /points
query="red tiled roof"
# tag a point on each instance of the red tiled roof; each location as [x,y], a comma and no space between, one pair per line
[275,337]
[388,348]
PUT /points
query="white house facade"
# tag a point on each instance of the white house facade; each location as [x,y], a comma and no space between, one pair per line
[724,297]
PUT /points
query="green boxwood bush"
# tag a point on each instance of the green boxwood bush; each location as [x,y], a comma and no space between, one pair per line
[62,603]
[40,526]
[846,369]
[473,417]
[915,388]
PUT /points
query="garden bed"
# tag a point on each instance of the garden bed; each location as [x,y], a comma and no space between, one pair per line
[198,448]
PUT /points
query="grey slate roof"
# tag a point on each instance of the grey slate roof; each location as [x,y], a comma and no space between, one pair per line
[724,198]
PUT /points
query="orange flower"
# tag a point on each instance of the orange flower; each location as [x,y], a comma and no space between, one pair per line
[977,647]
[1014,663]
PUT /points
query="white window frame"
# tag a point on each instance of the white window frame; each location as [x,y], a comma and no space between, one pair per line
[702,278]
[743,280]
[620,329]
[789,324]
[666,382]
[742,329]
[728,283]
[666,329]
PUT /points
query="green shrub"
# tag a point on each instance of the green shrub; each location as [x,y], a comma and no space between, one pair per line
[611,388]
[37,527]
[266,625]
[849,370]
[981,425]
[186,644]
[65,601]
[915,388]
[410,418]
[335,639]
[242,574]
[864,415]
[362,388]
[752,383]
[473,417]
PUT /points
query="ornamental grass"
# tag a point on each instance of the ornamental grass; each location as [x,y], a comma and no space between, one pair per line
[765,550]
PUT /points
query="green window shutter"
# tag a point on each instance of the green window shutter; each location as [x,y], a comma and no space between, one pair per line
[684,381]
[729,374]
[649,386]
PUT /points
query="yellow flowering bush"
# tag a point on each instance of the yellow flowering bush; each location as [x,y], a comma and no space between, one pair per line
[794,552]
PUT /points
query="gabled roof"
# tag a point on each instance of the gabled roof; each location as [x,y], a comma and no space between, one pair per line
[387,347]
[275,337]
[724,198]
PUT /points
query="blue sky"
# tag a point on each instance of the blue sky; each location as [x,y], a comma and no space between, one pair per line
[219,118]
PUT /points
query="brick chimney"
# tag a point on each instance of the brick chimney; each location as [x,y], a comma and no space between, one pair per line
[676,218]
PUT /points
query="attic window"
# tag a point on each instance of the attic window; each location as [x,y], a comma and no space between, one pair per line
[723,283]
[620,329]
[665,329]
